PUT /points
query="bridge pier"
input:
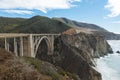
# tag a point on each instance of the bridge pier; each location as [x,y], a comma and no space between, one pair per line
[51,45]
[6,44]
[21,46]
[15,47]
[30,46]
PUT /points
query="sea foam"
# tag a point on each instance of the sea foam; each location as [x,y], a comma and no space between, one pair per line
[109,66]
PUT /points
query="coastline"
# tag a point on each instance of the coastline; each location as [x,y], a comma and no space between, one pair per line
[108,65]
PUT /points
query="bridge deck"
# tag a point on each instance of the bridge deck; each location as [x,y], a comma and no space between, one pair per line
[10,35]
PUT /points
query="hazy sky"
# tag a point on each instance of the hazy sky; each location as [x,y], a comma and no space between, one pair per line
[105,13]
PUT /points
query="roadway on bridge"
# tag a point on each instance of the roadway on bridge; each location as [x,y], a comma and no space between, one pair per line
[8,35]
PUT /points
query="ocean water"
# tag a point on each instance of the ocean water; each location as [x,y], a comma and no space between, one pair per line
[109,66]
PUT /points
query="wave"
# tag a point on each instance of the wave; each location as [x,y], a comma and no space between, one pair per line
[109,66]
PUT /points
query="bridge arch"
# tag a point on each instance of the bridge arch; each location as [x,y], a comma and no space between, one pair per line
[44,39]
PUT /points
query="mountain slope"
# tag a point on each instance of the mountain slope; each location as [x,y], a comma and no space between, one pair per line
[93,28]
[75,24]
[7,24]
[40,24]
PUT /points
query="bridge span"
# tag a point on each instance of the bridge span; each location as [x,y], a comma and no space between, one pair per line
[27,44]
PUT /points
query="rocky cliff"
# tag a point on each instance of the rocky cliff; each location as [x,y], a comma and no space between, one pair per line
[76,52]
[73,59]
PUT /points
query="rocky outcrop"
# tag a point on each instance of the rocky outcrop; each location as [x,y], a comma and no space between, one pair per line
[118,52]
[75,53]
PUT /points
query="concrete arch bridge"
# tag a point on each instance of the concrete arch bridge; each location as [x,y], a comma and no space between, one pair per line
[27,44]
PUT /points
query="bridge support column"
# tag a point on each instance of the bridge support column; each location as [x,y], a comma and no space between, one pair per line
[52,44]
[15,47]
[21,46]
[30,46]
[6,45]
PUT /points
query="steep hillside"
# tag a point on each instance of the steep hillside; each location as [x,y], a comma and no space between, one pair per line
[40,24]
[13,68]
[24,68]
[75,53]
[7,24]
[75,24]
[94,28]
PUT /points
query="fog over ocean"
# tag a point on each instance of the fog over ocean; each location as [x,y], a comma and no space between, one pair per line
[109,66]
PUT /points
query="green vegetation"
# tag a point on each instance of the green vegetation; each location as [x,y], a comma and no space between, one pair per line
[7,24]
[39,24]
[73,23]
[34,62]
[54,75]
[44,68]
[36,24]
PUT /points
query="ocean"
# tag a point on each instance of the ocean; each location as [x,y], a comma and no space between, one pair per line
[109,66]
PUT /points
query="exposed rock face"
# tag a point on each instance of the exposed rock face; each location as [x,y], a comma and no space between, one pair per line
[75,54]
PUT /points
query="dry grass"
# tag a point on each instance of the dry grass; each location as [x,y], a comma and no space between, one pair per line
[12,68]
[15,68]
